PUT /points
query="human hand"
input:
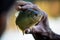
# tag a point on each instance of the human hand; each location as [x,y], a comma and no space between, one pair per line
[42,27]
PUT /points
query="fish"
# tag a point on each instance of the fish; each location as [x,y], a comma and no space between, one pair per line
[27,18]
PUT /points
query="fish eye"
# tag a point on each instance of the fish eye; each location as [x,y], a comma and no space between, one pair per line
[35,14]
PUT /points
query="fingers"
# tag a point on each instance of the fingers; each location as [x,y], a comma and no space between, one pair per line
[26,5]
[19,3]
[33,30]
[39,31]
[27,31]
[22,5]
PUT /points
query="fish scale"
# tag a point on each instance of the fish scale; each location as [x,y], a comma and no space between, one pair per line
[27,18]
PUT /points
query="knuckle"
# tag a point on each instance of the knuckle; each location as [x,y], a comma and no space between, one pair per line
[29,3]
[44,14]
[19,3]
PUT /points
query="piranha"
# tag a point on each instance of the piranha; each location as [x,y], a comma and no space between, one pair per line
[28,18]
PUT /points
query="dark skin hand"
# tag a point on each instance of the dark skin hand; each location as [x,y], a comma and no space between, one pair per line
[41,31]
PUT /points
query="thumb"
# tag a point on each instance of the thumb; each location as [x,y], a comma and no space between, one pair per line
[27,31]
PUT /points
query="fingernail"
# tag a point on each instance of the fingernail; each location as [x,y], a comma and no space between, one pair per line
[19,7]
